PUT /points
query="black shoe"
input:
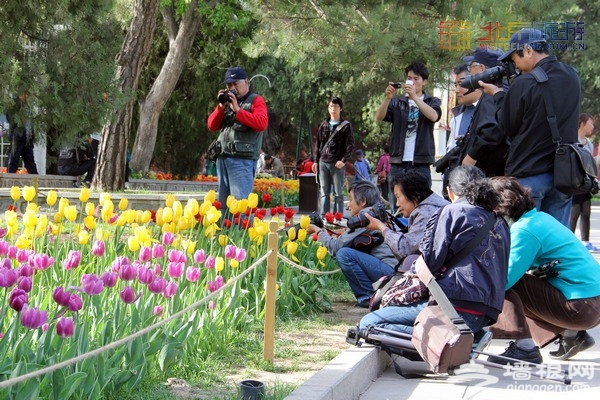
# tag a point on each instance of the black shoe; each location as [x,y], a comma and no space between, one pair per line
[513,351]
[363,304]
[568,347]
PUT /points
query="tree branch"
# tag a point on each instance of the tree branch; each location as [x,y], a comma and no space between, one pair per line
[319,10]
[171,24]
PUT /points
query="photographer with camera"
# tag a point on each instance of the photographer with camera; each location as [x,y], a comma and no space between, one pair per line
[523,117]
[412,116]
[358,243]
[561,298]
[241,117]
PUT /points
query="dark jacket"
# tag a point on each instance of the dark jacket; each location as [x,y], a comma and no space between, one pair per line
[477,281]
[340,148]
[397,114]
[523,117]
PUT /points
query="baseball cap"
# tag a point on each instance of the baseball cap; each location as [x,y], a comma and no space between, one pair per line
[485,56]
[359,152]
[234,74]
[520,39]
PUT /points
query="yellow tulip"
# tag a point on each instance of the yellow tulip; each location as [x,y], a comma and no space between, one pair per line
[89,222]
[188,245]
[108,209]
[23,243]
[54,229]
[51,198]
[211,230]
[11,218]
[169,199]
[28,193]
[253,200]
[62,203]
[321,252]
[133,243]
[206,205]
[130,216]
[103,197]
[159,219]
[233,205]
[291,233]
[143,235]
[177,209]
[121,220]
[83,237]
[243,206]
[90,208]
[84,194]
[219,264]
[304,221]
[102,234]
[57,217]
[291,247]
[192,207]
[30,219]
[32,207]
[123,203]
[211,196]
[146,217]
[223,240]
[301,235]
[42,222]
[15,193]
[167,214]
[213,215]
[11,230]
[70,213]
[182,224]
[234,263]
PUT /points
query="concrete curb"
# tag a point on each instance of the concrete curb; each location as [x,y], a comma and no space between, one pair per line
[345,377]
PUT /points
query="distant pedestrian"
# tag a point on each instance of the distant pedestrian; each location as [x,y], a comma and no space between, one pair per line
[21,135]
[362,171]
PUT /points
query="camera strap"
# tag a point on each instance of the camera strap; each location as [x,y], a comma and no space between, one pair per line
[541,77]
[335,131]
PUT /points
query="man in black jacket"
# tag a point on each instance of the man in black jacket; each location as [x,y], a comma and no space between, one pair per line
[523,117]
[21,135]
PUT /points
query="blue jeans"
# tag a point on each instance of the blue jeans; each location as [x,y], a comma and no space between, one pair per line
[329,174]
[236,177]
[547,198]
[401,169]
[361,270]
[402,318]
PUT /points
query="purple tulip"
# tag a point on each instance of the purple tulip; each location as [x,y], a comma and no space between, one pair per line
[12,252]
[26,270]
[3,232]
[61,297]
[158,285]
[170,290]
[145,275]
[8,277]
[65,327]
[192,274]
[91,284]
[240,254]
[23,255]
[229,251]
[210,262]
[109,278]
[168,238]
[25,283]
[199,256]
[175,269]
[98,248]
[33,318]
[145,254]
[128,295]
[215,285]
[72,260]
[158,250]
[119,262]
[6,263]
[176,256]
[75,303]
[157,269]
[18,298]
[128,272]
[42,261]
[158,310]
[3,247]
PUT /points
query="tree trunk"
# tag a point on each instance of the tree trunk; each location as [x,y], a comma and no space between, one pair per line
[112,155]
[179,50]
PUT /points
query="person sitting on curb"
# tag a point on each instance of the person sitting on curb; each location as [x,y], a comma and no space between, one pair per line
[380,261]
[272,166]
[79,159]
[553,286]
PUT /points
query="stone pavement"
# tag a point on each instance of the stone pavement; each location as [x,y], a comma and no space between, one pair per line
[365,373]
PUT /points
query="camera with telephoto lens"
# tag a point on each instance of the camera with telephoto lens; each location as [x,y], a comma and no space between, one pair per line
[491,75]
[224,97]
[360,220]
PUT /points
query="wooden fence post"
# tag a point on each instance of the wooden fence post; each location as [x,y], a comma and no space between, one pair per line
[272,246]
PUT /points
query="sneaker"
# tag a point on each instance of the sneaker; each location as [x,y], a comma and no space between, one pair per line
[481,340]
[568,347]
[363,304]
[591,247]
[513,351]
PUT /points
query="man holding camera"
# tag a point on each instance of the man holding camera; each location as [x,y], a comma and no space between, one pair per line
[412,116]
[241,116]
[522,114]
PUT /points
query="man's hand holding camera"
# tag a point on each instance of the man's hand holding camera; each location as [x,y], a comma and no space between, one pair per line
[489,88]
[228,97]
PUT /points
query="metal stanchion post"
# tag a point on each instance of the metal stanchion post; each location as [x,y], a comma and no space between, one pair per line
[272,246]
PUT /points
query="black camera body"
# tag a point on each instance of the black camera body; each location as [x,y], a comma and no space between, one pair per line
[491,75]
[378,211]
[396,85]
[224,96]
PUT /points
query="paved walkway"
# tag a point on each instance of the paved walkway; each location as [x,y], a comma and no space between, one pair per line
[367,374]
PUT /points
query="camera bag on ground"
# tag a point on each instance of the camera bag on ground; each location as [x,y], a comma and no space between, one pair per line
[574,167]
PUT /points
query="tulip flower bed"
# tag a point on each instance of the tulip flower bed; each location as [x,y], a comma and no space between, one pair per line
[76,277]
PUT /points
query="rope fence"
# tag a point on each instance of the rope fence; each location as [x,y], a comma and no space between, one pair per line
[269,332]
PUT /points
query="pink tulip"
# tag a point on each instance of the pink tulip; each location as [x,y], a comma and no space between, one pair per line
[210,262]
[98,248]
[109,279]
[91,284]
[127,272]
[128,295]
[61,297]
[168,238]
[26,270]
[215,285]
[211,305]
[18,299]
[12,252]
[3,232]
[8,277]
[23,255]
[199,256]
[158,285]
[42,261]
[157,269]
[158,310]
[3,247]
[170,290]
[192,274]
[45,327]
[65,327]
[158,251]
[240,254]
[75,303]
[5,263]
[229,251]
[145,254]
[25,283]
[145,275]
[33,318]
[73,259]
[175,269]
[119,262]
[176,256]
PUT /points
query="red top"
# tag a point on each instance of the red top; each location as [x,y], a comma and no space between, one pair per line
[257,118]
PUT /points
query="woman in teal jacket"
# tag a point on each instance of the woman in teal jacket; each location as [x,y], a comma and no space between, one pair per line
[553,285]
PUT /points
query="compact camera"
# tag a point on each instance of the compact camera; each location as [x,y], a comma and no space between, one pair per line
[490,75]
[224,97]
[378,211]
